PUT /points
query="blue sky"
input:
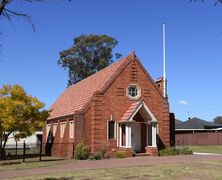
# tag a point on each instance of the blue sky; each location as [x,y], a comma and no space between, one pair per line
[194,38]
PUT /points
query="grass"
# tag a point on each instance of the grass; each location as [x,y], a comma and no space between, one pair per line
[207,170]
[31,163]
[207,149]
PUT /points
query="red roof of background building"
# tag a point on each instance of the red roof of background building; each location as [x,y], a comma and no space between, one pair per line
[76,97]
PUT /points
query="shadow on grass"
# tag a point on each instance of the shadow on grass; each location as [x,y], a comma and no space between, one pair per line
[62,178]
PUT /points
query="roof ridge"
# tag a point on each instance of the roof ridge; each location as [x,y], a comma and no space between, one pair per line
[104,69]
[79,95]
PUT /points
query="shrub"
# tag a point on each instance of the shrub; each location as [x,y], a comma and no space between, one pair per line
[185,150]
[120,154]
[96,156]
[178,150]
[168,152]
[103,152]
[81,151]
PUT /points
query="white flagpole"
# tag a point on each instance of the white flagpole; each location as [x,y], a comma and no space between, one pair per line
[164,61]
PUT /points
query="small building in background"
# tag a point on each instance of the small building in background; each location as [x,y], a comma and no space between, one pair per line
[33,141]
[196,131]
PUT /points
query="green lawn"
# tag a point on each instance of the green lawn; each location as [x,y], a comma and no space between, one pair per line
[207,149]
[207,170]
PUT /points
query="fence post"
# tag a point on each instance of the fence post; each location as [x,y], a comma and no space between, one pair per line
[24,151]
[73,150]
[16,147]
[40,151]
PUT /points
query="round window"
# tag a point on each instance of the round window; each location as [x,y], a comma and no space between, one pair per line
[133,92]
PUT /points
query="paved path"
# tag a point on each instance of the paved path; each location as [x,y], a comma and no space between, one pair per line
[110,163]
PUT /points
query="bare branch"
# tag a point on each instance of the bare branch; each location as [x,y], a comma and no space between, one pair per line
[2,5]
[26,17]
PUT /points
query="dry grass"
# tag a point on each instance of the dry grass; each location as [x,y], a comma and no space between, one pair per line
[207,149]
[207,170]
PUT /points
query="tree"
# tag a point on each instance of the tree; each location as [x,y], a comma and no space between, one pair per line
[20,113]
[9,13]
[218,119]
[215,2]
[89,54]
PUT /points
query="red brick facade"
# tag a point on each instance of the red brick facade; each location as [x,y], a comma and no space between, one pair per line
[111,102]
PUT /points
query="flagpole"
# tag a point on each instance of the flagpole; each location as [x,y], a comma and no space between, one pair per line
[164,60]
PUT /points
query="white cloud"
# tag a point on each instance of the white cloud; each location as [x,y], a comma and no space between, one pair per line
[183,102]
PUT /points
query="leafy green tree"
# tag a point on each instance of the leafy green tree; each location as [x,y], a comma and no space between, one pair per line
[218,119]
[89,54]
[19,113]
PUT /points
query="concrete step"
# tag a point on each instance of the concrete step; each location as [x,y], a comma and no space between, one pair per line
[140,154]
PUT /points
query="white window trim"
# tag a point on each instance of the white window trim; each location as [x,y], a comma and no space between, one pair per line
[53,126]
[61,129]
[71,135]
[48,126]
[138,92]
[115,126]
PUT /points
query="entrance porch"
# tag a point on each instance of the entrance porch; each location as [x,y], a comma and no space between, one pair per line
[138,129]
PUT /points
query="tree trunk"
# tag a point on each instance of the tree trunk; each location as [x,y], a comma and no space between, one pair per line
[0,144]
[3,153]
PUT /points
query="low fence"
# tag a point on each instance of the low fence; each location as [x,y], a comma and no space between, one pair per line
[199,138]
[33,152]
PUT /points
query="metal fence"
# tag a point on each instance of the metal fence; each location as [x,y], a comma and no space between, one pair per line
[24,152]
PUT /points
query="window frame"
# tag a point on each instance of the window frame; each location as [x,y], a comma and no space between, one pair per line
[71,129]
[138,91]
[54,126]
[48,126]
[114,130]
[62,129]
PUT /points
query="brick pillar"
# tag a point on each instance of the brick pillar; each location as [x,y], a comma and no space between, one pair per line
[45,136]
[65,141]
[96,127]
[164,125]
[57,142]
[152,151]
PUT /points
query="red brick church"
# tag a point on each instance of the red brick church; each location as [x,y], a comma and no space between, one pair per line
[118,108]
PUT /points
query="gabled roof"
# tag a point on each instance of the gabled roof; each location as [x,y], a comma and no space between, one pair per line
[177,122]
[136,107]
[76,97]
[196,123]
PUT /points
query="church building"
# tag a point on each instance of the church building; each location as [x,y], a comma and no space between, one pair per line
[118,108]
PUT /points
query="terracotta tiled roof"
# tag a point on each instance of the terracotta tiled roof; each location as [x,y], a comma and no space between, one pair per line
[130,111]
[76,97]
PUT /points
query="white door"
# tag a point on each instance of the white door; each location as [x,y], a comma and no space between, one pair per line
[136,137]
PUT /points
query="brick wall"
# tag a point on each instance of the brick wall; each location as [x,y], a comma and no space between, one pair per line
[115,102]
[91,126]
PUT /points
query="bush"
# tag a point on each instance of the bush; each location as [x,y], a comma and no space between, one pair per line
[96,156]
[168,152]
[178,150]
[120,154]
[81,152]
[185,150]
[103,152]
